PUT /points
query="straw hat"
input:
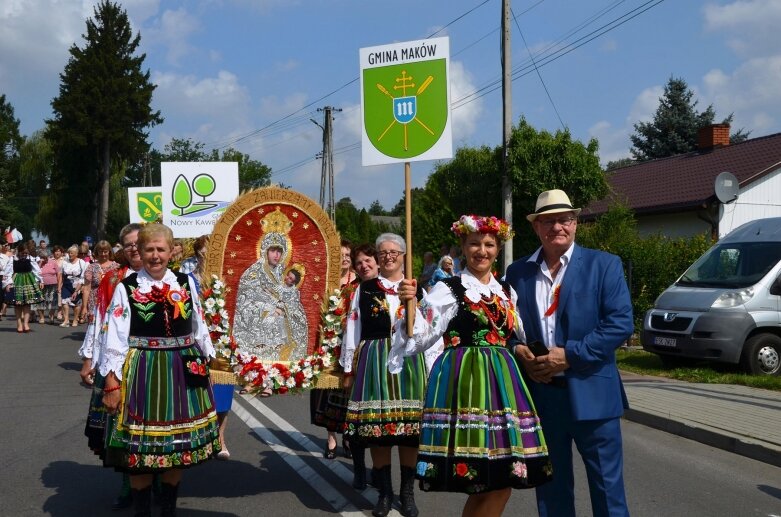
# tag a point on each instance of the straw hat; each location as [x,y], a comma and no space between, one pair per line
[552,202]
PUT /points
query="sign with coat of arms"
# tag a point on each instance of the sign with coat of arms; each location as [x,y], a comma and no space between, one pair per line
[405,101]
[144,204]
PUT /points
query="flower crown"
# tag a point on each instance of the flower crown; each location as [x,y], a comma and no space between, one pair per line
[467,224]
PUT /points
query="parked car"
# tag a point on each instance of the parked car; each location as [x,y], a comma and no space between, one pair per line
[727,306]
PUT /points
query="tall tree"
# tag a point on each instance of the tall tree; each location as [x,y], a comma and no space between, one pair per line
[101,116]
[252,173]
[674,127]
[10,145]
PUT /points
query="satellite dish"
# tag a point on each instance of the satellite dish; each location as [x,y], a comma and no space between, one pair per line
[726,187]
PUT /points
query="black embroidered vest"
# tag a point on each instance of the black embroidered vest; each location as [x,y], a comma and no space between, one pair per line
[23,265]
[466,329]
[164,318]
[375,319]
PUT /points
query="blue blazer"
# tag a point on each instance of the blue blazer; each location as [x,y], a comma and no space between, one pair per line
[593,319]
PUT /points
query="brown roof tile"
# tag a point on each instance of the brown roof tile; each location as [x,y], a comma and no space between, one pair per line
[686,181]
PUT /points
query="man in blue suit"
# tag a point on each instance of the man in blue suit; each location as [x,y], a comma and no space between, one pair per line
[576,303]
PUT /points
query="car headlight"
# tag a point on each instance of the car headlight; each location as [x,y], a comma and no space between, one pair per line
[733,298]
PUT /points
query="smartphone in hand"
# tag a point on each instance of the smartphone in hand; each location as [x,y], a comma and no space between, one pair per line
[537,348]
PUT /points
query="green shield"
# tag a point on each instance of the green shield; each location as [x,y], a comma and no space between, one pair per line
[149,205]
[427,82]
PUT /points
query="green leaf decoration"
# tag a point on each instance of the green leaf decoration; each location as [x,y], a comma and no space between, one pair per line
[182,196]
[146,316]
[144,307]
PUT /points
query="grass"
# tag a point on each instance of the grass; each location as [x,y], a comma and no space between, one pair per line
[646,363]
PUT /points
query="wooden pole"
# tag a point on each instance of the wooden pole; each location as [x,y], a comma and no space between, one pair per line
[411,305]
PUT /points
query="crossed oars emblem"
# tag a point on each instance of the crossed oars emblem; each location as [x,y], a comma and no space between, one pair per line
[406,82]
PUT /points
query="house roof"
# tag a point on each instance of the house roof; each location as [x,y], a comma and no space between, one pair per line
[686,181]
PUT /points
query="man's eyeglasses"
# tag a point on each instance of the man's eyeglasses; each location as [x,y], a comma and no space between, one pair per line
[389,254]
[566,222]
[130,246]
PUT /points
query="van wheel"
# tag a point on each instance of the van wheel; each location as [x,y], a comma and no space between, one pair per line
[762,355]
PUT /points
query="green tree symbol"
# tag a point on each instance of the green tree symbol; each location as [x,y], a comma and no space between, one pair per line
[182,196]
[204,185]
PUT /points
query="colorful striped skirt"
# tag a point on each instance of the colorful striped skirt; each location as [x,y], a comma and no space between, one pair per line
[26,289]
[95,430]
[167,417]
[384,409]
[480,430]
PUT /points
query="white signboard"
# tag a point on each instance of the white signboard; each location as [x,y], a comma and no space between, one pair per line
[144,204]
[405,102]
[195,194]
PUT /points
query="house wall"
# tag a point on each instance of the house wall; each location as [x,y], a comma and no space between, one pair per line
[685,224]
[758,200]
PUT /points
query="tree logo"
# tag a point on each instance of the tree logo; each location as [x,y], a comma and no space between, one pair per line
[203,185]
[405,107]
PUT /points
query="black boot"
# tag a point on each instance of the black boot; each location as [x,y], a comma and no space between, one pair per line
[143,500]
[168,495]
[124,499]
[407,492]
[385,499]
[359,466]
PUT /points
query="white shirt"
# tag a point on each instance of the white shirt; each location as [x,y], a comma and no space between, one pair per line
[545,287]
[94,339]
[118,322]
[434,314]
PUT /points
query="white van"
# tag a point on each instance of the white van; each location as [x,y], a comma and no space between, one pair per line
[727,306]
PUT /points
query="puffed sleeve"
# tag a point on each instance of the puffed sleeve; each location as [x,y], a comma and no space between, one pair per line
[200,328]
[432,317]
[117,333]
[352,333]
[37,271]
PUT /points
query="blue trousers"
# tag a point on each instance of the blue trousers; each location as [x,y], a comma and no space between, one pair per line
[599,444]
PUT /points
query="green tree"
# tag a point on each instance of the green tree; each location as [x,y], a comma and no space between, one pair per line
[617,164]
[376,208]
[10,146]
[675,125]
[101,116]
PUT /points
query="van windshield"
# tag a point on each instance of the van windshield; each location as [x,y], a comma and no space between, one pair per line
[734,265]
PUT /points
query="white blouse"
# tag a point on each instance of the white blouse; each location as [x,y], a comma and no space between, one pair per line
[74,271]
[434,314]
[352,334]
[117,326]
[95,338]
[8,273]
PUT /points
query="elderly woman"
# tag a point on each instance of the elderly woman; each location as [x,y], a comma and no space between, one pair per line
[50,272]
[480,432]
[445,269]
[156,373]
[71,280]
[384,409]
[102,263]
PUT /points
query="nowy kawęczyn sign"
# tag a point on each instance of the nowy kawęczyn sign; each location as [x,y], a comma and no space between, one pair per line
[405,101]
[195,194]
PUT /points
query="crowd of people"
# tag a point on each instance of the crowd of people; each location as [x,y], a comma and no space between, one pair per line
[487,393]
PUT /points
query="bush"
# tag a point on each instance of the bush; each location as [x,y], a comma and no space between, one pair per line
[651,263]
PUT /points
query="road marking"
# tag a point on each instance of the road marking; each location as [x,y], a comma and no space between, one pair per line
[291,457]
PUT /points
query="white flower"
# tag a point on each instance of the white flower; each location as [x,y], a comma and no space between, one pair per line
[290,382]
[209,303]
[221,302]
[273,372]
[252,375]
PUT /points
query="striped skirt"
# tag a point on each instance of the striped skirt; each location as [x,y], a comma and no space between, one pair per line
[95,430]
[49,301]
[26,289]
[328,408]
[480,430]
[167,417]
[384,409]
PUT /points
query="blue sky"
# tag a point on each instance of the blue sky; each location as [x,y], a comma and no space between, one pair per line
[227,70]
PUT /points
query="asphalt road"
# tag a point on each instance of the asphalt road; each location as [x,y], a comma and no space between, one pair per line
[277,466]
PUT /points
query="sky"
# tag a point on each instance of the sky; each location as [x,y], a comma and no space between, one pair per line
[250,74]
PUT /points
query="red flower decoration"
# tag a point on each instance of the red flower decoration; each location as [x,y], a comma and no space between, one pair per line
[282,389]
[194,367]
[462,469]
[118,312]
[492,337]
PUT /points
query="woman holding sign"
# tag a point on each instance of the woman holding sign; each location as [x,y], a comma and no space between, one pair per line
[480,433]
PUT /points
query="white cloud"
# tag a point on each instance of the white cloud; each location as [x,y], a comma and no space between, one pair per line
[751,25]
[173,30]
[466,116]
[614,143]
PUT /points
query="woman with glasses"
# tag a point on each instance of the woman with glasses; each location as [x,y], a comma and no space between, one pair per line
[384,409]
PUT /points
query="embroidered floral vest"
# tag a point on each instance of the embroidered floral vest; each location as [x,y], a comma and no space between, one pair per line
[484,324]
[375,319]
[161,312]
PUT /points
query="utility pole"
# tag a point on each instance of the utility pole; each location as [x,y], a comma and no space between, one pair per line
[327,155]
[507,113]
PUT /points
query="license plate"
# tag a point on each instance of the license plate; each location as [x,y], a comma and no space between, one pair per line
[664,341]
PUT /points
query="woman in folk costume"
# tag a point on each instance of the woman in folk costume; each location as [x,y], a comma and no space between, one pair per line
[27,284]
[129,260]
[480,433]
[157,380]
[384,409]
